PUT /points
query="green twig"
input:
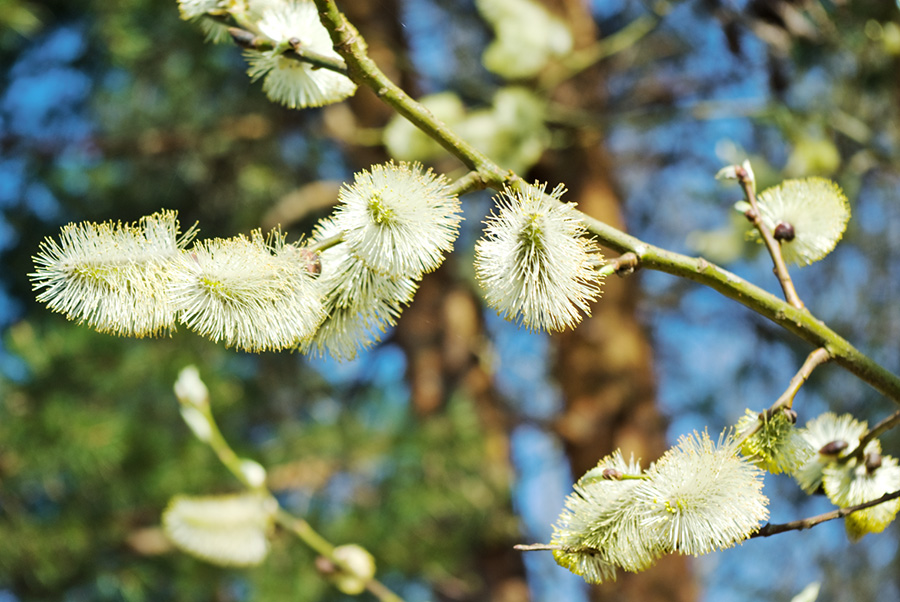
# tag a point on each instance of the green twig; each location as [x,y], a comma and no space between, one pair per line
[798,321]
[327,243]
[297,526]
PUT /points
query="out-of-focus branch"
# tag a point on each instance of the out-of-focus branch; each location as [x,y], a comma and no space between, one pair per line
[770,529]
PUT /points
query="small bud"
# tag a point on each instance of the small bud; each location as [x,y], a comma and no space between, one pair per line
[751,215]
[190,389]
[791,415]
[745,173]
[311,260]
[784,232]
[356,568]
[253,472]
[242,37]
[611,474]
[833,448]
[737,172]
[294,42]
[727,173]
[325,567]
[873,461]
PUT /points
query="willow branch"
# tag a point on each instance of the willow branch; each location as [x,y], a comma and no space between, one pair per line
[786,400]
[882,427]
[815,359]
[770,529]
[299,527]
[321,546]
[249,40]
[363,70]
[470,182]
[798,321]
[784,278]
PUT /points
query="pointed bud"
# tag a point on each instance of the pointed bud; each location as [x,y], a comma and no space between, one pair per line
[190,390]
[254,473]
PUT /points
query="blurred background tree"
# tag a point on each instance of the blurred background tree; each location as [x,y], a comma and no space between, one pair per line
[459,436]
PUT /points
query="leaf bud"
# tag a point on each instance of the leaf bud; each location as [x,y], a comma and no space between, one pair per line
[873,461]
[791,415]
[833,448]
[611,474]
[784,232]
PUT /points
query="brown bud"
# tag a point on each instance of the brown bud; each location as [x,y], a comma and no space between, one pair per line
[325,566]
[784,232]
[833,448]
[873,461]
[751,215]
[611,474]
[791,415]
[242,37]
[308,259]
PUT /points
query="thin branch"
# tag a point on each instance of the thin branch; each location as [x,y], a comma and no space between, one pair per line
[470,182]
[800,322]
[292,50]
[302,529]
[321,546]
[882,427]
[786,400]
[327,243]
[766,530]
[537,547]
[770,529]
[748,183]
[815,359]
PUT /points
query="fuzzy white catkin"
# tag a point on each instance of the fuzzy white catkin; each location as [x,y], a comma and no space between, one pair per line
[112,276]
[254,294]
[290,82]
[399,219]
[817,211]
[534,263]
[700,496]
[360,303]
[230,530]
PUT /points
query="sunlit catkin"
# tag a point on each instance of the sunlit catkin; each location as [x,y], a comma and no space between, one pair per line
[112,276]
[534,263]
